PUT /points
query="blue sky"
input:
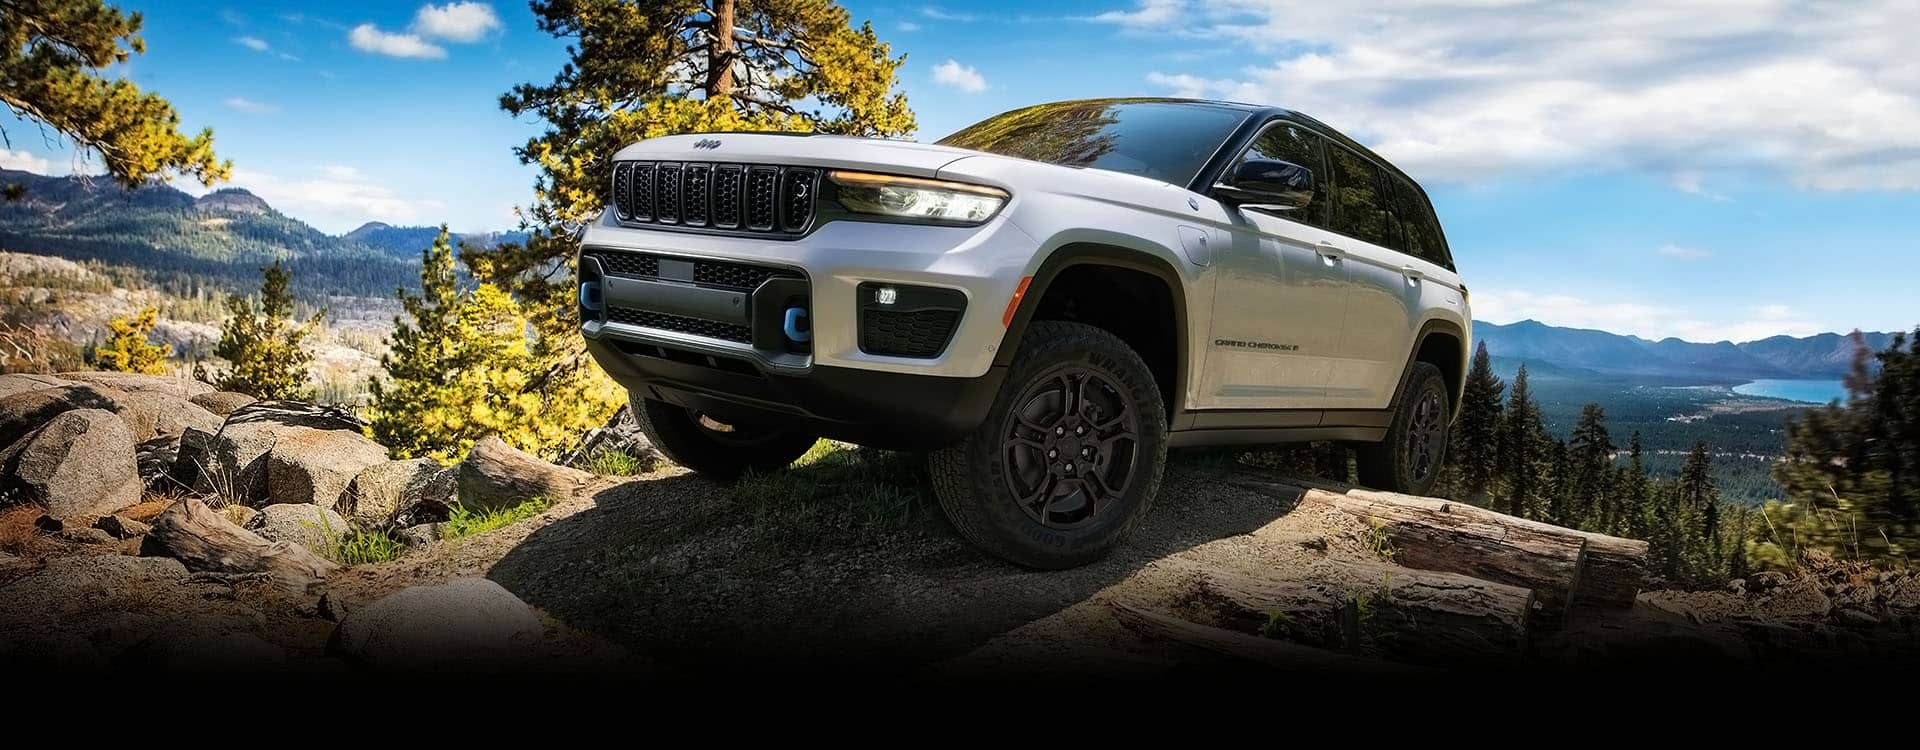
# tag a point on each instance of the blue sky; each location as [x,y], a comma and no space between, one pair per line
[1725,169]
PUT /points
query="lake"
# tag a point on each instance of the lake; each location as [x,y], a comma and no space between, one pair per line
[1807,391]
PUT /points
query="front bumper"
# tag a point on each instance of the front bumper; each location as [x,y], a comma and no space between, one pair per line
[830,387]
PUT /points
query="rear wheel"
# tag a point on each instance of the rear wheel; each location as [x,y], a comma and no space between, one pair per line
[1069,457]
[1409,459]
[717,449]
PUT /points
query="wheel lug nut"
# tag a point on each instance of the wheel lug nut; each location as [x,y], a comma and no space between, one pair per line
[1082,430]
[1059,430]
[1053,454]
[1069,467]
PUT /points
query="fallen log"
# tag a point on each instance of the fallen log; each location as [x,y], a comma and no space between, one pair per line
[1615,569]
[1421,616]
[1286,655]
[1434,534]
[205,541]
[497,475]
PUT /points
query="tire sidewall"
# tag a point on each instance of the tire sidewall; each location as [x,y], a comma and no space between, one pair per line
[1031,542]
[1427,379]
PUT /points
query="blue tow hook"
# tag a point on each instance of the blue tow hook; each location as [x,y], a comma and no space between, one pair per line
[590,295]
[796,326]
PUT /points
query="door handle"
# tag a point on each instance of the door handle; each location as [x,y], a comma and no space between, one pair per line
[1412,274]
[1331,250]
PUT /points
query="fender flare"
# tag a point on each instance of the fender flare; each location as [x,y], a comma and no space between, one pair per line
[1095,254]
[1432,326]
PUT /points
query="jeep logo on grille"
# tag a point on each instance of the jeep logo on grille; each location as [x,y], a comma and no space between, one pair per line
[706,144]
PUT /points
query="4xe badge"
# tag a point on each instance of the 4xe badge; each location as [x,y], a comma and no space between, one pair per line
[706,144]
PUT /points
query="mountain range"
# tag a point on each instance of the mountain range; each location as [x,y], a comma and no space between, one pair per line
[220,238]
[1819,357]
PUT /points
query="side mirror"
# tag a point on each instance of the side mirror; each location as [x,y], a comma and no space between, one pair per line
[1267,183]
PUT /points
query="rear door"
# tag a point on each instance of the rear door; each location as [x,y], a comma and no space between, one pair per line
[1383,301]
[1280,295]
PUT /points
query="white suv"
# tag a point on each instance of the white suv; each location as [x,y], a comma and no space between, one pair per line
[1045,301]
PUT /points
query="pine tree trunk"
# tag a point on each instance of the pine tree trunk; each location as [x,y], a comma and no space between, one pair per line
[205,541]
[720,51]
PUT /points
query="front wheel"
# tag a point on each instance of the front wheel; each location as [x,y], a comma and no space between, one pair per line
[1409,459]
[714,448]
[1069,457]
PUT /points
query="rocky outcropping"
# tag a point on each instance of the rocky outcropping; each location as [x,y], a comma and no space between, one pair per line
[27,411]
[393,492]
[78,465]
[311,526]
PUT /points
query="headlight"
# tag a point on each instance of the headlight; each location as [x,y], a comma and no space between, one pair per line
[916,198]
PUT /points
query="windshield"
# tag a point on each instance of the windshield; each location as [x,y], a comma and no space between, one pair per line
[1167,141]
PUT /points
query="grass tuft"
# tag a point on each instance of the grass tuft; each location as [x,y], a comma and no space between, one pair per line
[836,486]
[366,547]
[612,464]
[464,523]
[18,535]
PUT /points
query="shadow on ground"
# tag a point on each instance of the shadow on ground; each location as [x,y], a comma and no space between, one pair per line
[700,578]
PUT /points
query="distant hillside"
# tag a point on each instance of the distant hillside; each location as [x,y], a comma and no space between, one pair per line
[1814,357]
[221,238]
[407,242]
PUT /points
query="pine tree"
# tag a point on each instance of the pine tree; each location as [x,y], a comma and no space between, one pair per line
[459,368]
[1591,502]
[1643,514]
[262,345]
[1476,436]
[652,69]
[128,348]
[1521,447]
[1701,501]
[52,56]
[1560,488]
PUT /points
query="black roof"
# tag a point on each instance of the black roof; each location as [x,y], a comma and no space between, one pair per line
[1261,113]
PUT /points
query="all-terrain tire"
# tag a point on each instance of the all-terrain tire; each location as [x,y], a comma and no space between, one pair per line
[979,481]
[681,436]
[1408,460]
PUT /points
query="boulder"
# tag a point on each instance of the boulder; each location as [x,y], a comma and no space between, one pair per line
[233,462]
[191,456]
[621,434]
[121,527]
[86,583]
[381,493]
[463,625]
[80,464]
[22,382]
[22,413]
[222,403]
[423,534]
[156,458]
[171,385]
[169,414]
[307,525]
[315,466]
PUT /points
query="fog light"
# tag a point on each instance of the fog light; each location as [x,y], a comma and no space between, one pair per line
[886,295]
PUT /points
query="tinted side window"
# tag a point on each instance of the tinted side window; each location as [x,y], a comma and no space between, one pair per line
[1291,143]
[1361,209]
[1419,228]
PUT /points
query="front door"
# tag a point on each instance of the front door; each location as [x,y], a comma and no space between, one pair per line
[1279,297]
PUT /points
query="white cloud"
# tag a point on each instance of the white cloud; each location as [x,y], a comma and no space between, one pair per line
[1151,13]
[456,22]
[1823,96]
[962,77]
[368,38]
[25,162]
[249,106]
[1181,84]
[908,26]
[939,14]
[1648,321]
[251,42]
[337,198]
[1678,252]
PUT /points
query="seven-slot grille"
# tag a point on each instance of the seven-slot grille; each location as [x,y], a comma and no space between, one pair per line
[737,197]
